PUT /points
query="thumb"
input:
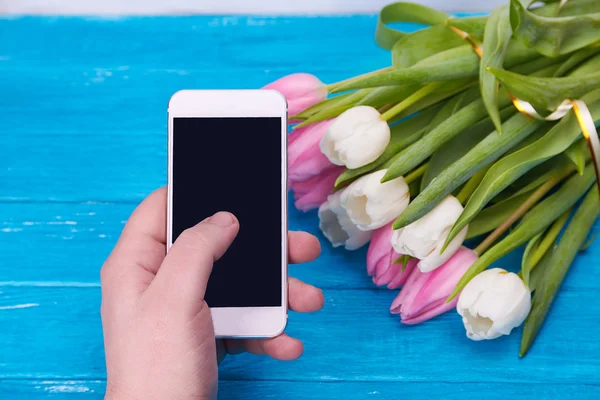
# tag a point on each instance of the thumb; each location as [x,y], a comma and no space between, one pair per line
[184,273]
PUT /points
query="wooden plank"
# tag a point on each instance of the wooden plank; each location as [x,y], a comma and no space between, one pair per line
[54,333]
[52,389]
[234,390]
[66,244]
[84,100]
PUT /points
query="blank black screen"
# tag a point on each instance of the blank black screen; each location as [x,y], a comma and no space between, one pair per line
[233,164]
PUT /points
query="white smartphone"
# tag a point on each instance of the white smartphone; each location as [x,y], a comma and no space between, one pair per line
[228,152]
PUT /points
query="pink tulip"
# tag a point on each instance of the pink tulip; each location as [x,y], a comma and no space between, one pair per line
[300,90]
[313,192]
[381,257]
[305,159]
[424,294]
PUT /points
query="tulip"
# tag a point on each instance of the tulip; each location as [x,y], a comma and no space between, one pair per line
[313,192]
[305,159]
[371,204]
[356,138]
[381,257]
[300,90]
[337,226]
[424,294]
[493,303]
[425,238]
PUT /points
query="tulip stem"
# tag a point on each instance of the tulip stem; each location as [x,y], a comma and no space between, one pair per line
[472,184]
[546,243]
[519,212]
[332,86]
[410,100]
[416,174]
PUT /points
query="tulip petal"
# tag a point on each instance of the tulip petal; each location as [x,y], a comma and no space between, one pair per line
[402,276]
[300,90]
[379,248]
[313,192]
[434,309]
[409,291]
[390,273]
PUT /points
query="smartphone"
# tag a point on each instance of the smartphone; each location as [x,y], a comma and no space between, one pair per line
[227,151]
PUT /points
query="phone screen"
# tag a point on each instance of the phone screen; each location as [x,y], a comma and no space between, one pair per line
[233,164]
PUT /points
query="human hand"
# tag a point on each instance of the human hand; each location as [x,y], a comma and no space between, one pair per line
[158,332]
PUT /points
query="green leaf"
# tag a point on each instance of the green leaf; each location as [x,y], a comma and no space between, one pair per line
[419,45]
[386,37]
[454,105]
[496,39]
[458,62]
[402,135]
[555,168]
[474,26]
[492,217]
[537,64]
[473,111]
[555,36]
[468,188]
[545,241]
[415,187]
[336,108]
[515,165]
[558,266]
[440,135]
[534,222]
[456,148]
[516,129]
[577,153]
[588,242]
[403,259]
[547,92]
[576,59]
[318,107]
[526,264]
[379,97]
[538,273]
[444,91]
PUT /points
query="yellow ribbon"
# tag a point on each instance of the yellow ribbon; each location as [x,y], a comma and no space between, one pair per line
[582,113]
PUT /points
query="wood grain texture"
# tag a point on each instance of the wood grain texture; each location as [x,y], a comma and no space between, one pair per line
[238,390]
[83,140]
[55,333]
[88,232]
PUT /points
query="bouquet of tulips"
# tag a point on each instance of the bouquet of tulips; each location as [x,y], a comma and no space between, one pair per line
[480,132]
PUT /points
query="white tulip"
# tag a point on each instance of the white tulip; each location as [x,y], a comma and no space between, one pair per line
[424,238]
[357,137]
[371,204]
[337,226]
[493,303]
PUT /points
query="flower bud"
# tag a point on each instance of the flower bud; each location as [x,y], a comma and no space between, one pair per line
[371,204]
[305,159]
[424,238]
[313,192]
[424,294]
[337,226]
[300,90]
[381,257]
[356,138]
[493,303]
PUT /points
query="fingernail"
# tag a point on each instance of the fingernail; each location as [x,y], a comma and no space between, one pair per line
[223,219]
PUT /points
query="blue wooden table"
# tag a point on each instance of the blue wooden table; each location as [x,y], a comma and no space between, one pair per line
[83,140]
